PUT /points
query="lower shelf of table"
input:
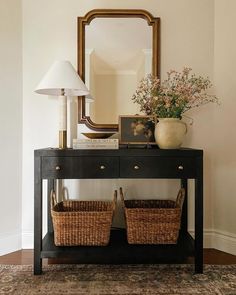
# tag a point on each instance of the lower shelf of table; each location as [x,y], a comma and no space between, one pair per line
[118,251]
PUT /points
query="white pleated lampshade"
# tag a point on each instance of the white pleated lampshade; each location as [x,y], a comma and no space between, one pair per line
[62,75]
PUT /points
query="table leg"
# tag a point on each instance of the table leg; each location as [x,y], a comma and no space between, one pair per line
[50,188]
[199,217]
[184,218]
[37,216]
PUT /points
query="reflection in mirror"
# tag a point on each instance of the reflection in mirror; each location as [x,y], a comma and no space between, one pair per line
[118,54]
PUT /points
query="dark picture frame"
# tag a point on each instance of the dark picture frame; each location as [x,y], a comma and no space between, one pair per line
[137,129]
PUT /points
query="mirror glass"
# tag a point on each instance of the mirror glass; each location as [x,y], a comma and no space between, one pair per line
[118,54]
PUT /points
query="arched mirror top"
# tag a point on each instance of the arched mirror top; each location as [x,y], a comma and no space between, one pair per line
[95,67]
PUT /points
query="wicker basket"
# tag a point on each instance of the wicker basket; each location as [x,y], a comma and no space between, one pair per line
[85,223]
[153,221]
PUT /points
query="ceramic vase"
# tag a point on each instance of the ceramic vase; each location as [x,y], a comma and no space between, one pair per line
[170,133]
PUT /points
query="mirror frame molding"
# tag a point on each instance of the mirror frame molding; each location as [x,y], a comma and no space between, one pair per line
[112,13]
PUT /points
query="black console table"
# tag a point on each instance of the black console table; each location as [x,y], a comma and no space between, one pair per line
[183,164]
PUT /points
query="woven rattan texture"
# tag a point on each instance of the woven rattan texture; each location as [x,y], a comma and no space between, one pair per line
[153,221]
[85,223]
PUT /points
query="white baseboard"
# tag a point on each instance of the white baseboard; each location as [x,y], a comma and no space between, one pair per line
[10,242]
[219,240]
[28,240]
[224,241]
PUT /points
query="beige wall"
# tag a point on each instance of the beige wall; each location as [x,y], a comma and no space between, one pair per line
[196,33]
[10,125]
[187,38]
[223,139]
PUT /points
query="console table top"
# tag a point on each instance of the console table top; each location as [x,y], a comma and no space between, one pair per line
[130,151]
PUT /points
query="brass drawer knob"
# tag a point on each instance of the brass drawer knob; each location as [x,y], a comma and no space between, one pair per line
[136,167]
[181,167]
[102,167]
[58,168]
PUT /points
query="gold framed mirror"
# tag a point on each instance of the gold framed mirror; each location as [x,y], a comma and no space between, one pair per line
[116,48]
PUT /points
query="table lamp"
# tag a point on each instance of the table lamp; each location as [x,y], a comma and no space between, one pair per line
[62,80]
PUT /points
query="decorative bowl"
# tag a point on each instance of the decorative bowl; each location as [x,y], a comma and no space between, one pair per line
[97,135]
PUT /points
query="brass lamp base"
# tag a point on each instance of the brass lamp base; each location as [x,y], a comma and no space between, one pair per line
[62,139]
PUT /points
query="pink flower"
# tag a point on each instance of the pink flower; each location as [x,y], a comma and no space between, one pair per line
[175,95]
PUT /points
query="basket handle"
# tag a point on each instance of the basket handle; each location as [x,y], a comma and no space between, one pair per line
[180,199]
[122,197]
[53,199]
[114,200]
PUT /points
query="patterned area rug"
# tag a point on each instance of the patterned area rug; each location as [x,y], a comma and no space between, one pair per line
[118,279]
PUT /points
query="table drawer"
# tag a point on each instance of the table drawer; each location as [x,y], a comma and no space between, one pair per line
[80,167]
[161,167]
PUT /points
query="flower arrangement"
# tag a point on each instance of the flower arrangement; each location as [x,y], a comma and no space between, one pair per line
[176,95]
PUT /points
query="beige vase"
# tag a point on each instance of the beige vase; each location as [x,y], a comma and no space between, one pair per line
[170,133]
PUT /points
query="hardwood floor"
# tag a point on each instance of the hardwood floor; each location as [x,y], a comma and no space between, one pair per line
[211,256]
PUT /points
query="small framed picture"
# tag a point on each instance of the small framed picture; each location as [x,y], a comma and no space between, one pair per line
[137,129]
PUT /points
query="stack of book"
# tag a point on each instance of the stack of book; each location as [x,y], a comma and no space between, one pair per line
[89,144]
